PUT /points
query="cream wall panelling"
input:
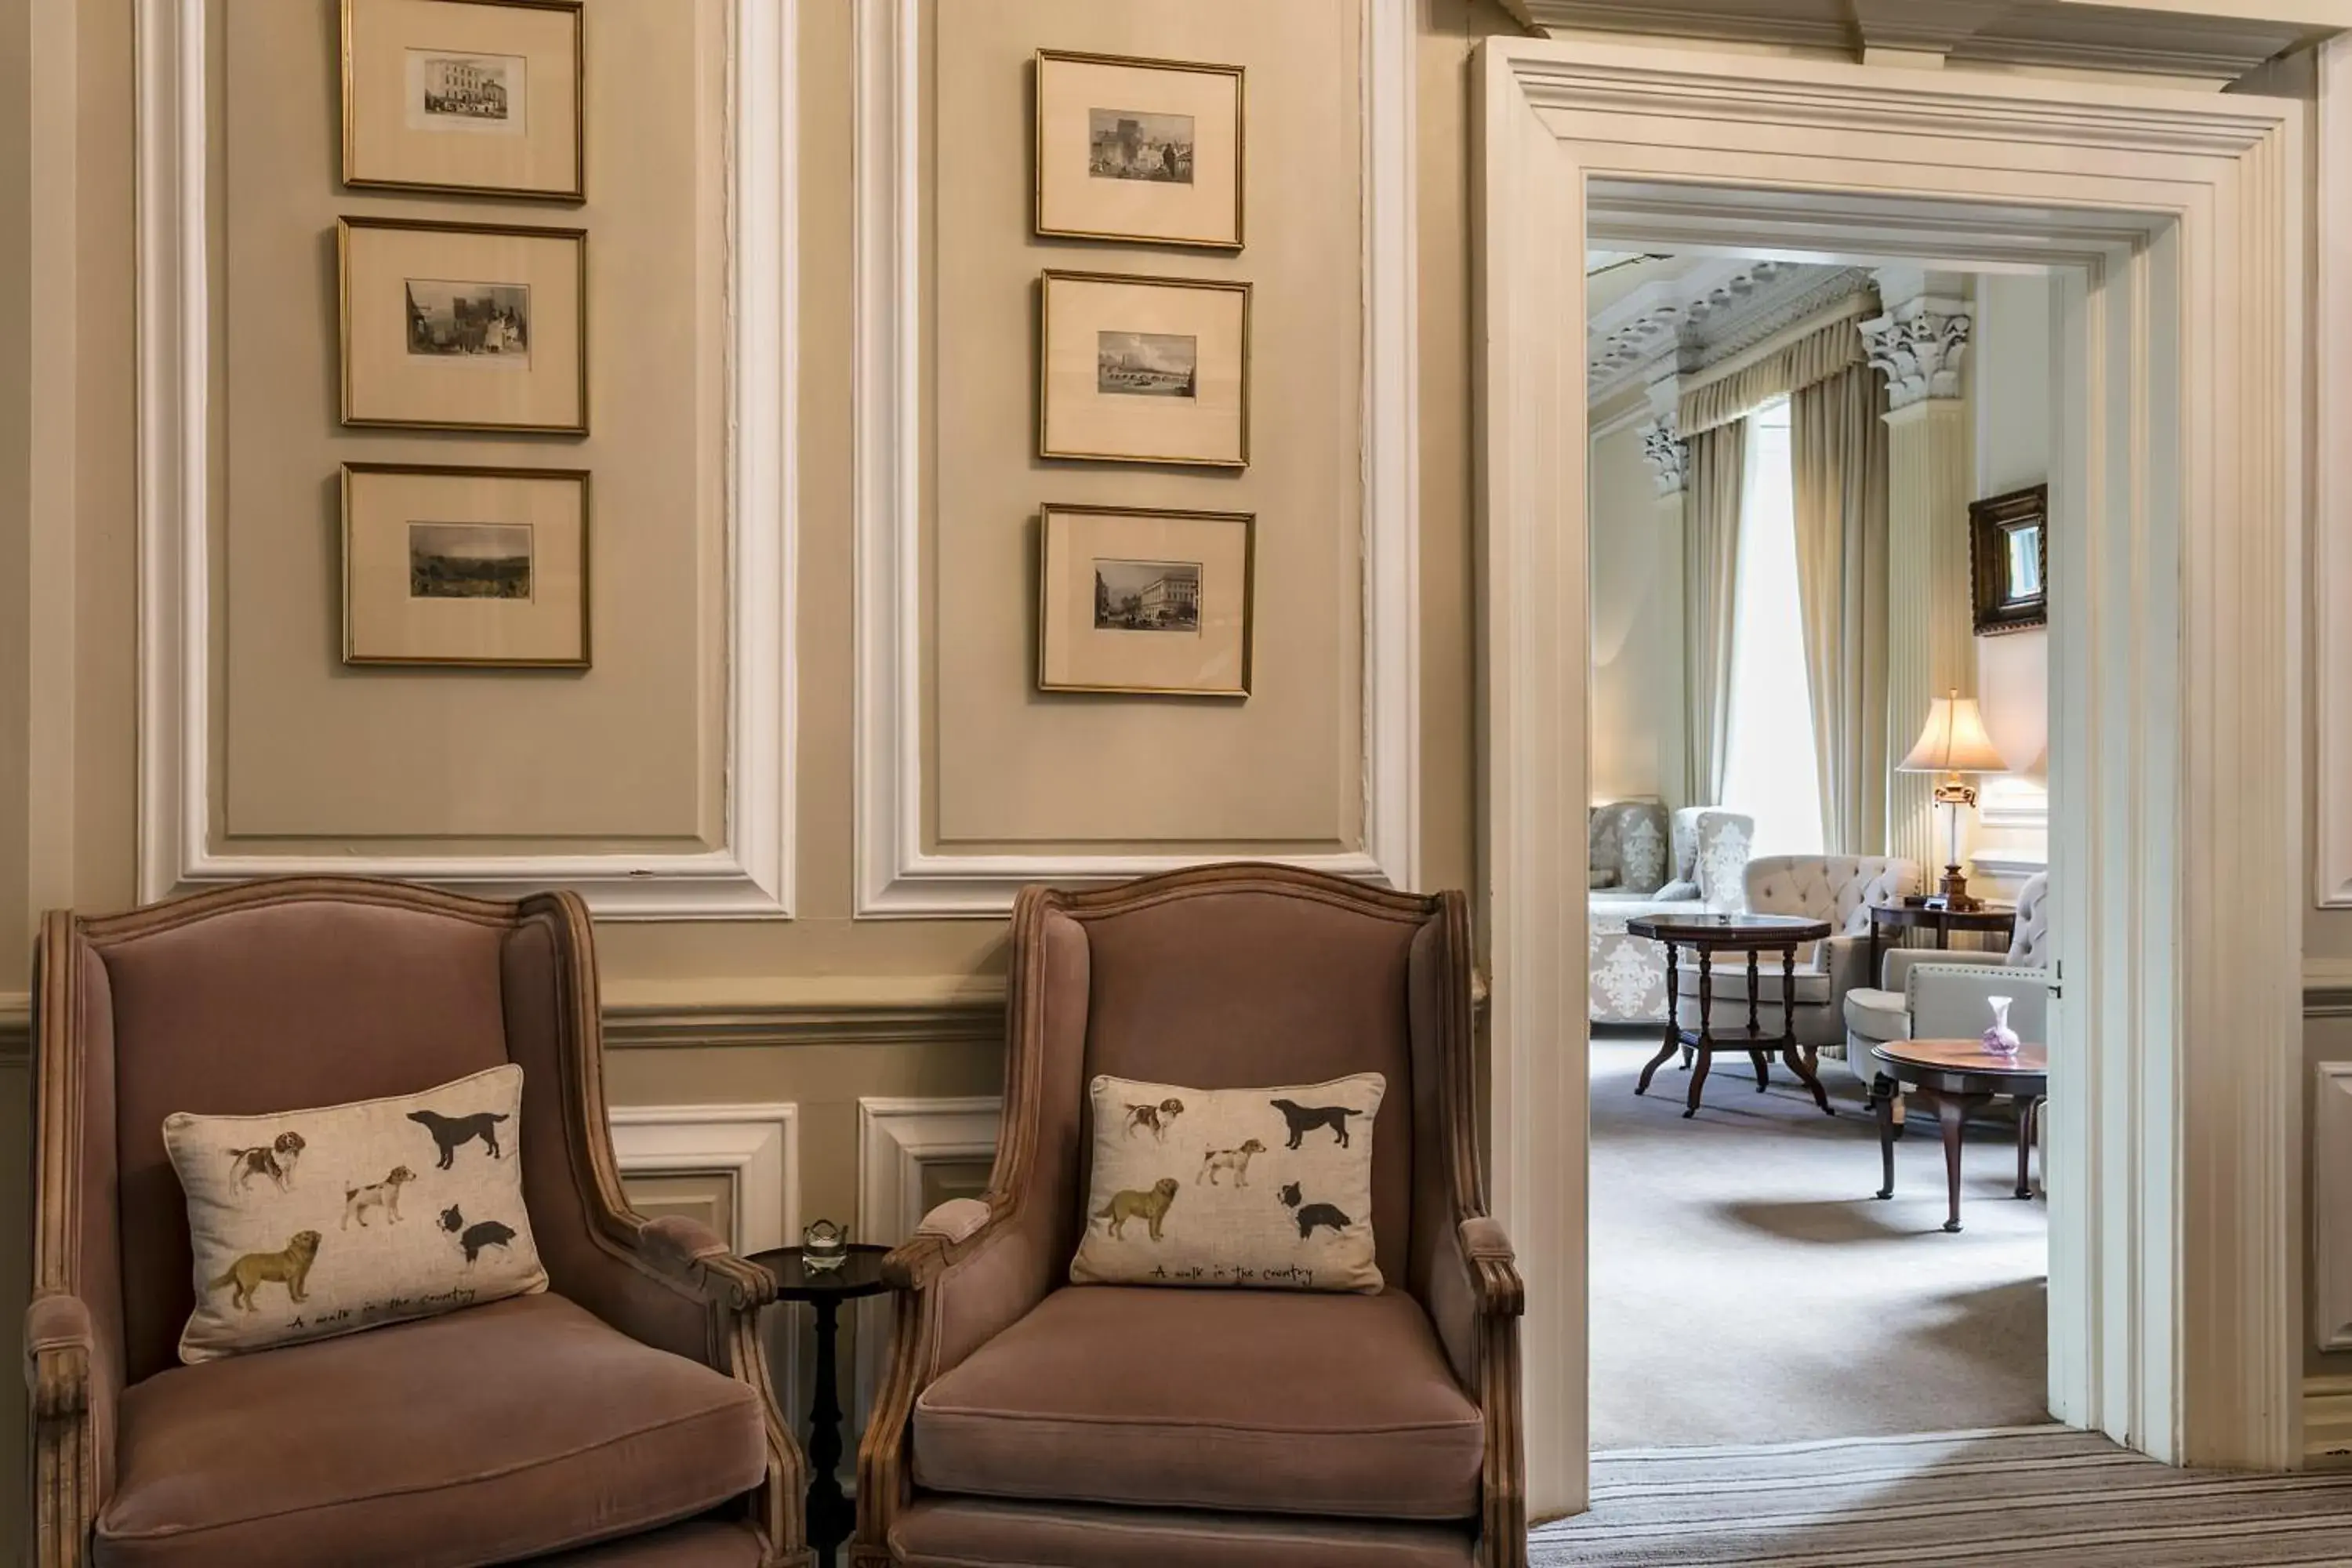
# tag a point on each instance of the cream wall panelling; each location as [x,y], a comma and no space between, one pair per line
[2331,1196]
[752,875]
[2175,232]
[756,1149]
[898,877]
[895,1139]
[2332,538]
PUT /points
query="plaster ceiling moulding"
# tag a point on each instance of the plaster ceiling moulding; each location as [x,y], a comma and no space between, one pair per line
[2219,45]
[1717,310]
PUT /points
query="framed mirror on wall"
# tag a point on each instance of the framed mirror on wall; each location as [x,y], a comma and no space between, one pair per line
[2009,543]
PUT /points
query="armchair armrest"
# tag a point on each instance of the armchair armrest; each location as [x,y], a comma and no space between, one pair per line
[70,1390]
[914,1264]
[60,1342]
[690,1255]
[1494,1268]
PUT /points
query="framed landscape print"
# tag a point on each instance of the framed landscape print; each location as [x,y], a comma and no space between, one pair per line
[1134,599]
[464,326]
[448,565]
[1136,150]
[1143,370]
[470,96]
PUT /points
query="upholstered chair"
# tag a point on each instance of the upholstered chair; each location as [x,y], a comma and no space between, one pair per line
[1835,889]
[1027,1420]
[621,1417]
[1626,979]
[1929,993]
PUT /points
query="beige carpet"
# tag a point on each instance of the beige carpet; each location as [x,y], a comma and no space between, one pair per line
[1747,1288]
[2045,1496]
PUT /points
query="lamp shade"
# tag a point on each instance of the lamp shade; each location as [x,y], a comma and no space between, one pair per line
[1954,742]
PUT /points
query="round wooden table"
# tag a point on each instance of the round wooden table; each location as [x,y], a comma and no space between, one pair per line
[830,1516]
[1707,935]
[1953,1077]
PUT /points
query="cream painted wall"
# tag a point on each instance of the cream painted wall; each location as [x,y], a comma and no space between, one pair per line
[1636,701]
[2010,364]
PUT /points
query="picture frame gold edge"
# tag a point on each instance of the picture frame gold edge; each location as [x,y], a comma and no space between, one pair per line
[1245,287]
[1248,520]
[1997,623]
[1037,224]
[346,221]
[479,470]
[576,196]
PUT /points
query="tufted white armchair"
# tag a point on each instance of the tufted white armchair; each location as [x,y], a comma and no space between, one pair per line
[1838,889]
[1927,993]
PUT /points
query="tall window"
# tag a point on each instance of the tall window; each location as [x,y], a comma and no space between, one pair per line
[1770,772]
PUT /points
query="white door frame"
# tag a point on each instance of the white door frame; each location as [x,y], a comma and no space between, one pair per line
[2175,224]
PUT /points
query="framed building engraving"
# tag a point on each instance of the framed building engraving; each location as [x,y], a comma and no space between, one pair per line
[1143,151]
[464,326]
[1144,600]
[475,96]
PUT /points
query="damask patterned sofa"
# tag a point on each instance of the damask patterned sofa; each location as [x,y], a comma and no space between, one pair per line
[1628,973]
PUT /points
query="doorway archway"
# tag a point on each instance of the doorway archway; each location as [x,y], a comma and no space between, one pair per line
[2173,222]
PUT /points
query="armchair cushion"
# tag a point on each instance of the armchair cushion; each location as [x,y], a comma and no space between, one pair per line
[1267,1187]
[1249,1401]
[310,1224]
[524,1426]
[1877,1015]
[961,1532]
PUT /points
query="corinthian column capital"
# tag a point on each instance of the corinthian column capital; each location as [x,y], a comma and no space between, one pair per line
[1666,452]
[1919,346]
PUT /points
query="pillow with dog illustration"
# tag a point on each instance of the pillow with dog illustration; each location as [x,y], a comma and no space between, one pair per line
[1269,1188]
[311,1224]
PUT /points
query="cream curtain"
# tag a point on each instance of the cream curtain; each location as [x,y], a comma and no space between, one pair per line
[1711,499]
[1838,452]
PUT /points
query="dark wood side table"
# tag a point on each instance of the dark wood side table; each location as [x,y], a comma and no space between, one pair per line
[830,1516]
[1953,1077]
[1997,920]
[1707,935]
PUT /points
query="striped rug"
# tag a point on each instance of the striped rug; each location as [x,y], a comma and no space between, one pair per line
[1956,1500]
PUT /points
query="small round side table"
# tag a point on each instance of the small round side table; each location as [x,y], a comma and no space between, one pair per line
[1953,1077]
[830,1516]
[1707,935]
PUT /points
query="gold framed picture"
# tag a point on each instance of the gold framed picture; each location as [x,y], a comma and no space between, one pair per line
[462,566]
[1144,600]
[1137,150]
[470,97]
[1143,370]
[464,326]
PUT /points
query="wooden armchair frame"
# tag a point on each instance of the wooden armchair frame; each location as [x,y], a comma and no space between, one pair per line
[75,1376]
[969,1234]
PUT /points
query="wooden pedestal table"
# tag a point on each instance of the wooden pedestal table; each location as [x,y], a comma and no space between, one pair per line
[830,1516]
[1953,1077]
[1707,935]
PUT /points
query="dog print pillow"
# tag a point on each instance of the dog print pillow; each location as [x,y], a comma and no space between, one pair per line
[316,1223]
[1270,1188]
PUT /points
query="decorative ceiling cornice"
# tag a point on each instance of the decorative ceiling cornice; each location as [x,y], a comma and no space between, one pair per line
[1695,319]
[2231,39]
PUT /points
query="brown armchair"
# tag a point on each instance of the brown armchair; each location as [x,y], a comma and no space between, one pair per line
[1027,1420]
[622,1418]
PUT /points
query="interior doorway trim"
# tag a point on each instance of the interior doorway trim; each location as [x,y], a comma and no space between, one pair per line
[2174,224]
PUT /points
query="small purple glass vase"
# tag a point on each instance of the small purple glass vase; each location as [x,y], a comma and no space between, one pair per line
[2000,1040]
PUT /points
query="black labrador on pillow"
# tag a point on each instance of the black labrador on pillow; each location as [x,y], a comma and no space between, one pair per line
[453,1133]
[1306,1119]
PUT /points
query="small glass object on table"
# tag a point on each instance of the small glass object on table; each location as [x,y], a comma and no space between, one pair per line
[825,1247]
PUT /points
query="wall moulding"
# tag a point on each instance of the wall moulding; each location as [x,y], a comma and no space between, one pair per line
[2332,538]
[899,876]
[751,876]
[881,1010]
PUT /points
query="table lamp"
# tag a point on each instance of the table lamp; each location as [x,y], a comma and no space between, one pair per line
[1954,743]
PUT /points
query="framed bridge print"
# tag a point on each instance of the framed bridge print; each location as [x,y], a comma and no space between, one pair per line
[1144,601]
[472,97]
[464,326]
[465,566]
[1143,151]
[1143,370]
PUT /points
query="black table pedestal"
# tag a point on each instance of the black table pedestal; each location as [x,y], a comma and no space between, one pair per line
[830,1516]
